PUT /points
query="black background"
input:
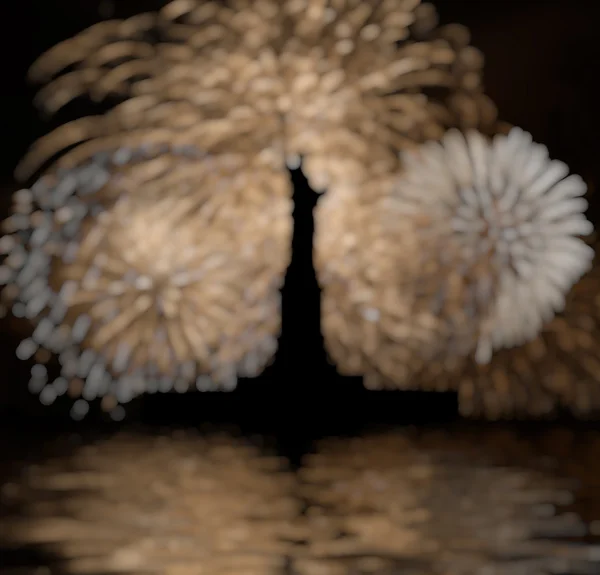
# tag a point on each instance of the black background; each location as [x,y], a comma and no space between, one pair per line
[541,68]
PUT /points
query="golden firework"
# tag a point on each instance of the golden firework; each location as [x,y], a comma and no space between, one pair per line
[473,247]
[342,84]
[150,269]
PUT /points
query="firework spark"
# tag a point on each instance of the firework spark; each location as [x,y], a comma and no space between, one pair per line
[472,248]
[149,269]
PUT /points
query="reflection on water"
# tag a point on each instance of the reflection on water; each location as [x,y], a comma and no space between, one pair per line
[483,502]
[138,504]
[477,501]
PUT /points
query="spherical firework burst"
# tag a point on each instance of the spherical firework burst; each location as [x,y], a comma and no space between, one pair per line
[441,503]
[134,504]
[342,83]
[509,216]
[149,269]
[473,247]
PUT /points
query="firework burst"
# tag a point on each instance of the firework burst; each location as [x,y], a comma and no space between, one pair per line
[149,269]
[338,85]
[342,84]
[510,220]
[472,248]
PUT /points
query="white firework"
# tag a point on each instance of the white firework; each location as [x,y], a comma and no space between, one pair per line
[511,213]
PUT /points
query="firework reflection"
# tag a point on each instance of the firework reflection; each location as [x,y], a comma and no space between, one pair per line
[139,504]
[457,504]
